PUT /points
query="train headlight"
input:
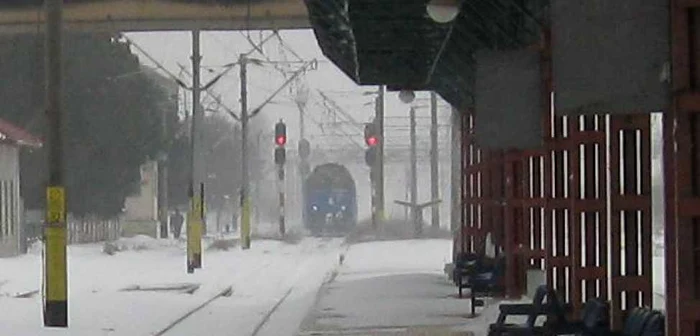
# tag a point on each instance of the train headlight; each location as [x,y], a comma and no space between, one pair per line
[314,208]
[342,208]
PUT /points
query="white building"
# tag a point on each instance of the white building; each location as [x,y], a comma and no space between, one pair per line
[141,215]
[11,139]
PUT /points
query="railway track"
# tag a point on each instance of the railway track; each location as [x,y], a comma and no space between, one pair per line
[227,292]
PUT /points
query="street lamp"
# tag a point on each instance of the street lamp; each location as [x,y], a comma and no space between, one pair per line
[443,11]
[407,96]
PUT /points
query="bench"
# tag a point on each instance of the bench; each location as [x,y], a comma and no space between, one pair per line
[594,319]
[544,303]
[481,278]
[463,265]
[643,321]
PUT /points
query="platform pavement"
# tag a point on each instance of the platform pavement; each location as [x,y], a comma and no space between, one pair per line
[400,292]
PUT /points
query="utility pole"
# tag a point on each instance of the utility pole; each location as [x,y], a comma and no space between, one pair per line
[194,217]
[456,177]
[258,181]
[434,187]
[163,200]
[55,259]
[280,190]
[371,158]
[245,202]
[280,158]
[163,195]
[302,130]
[415,210]
[380,161]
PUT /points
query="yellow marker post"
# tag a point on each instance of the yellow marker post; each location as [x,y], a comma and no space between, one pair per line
[382,215]
[198,228]
[194,233]
[245,224]
[55,267]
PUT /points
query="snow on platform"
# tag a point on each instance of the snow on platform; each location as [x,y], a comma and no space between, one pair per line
[99,305]
[395,288]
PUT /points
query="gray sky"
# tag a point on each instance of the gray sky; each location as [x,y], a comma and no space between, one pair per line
[219,48]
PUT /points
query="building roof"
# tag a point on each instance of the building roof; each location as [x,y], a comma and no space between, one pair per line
[396,44]
[16,135]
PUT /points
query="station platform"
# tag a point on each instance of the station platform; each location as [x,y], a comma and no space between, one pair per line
[395,288]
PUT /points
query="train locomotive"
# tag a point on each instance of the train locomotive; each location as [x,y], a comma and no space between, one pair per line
[330,201]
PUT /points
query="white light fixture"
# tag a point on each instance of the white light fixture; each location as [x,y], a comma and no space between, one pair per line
[407,96]
[443,11]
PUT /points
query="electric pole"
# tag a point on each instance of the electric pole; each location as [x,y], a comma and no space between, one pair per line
[55,260]
[456,177]
[280,158]
[163,178]
[258,181]
[379,118]
[415,210]
[195,215]
[371,158]
[245,119]
[434,187]
[245,202]
[301,121]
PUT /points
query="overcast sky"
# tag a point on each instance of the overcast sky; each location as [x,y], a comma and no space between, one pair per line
[173,49]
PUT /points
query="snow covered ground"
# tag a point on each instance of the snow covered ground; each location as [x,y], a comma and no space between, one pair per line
[391,288]
[98,304]
[404,278]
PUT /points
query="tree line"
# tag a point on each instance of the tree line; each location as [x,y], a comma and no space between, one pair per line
[116,118]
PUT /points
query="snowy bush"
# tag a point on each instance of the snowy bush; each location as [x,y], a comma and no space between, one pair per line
[293,237]
[110,248]
[222,244]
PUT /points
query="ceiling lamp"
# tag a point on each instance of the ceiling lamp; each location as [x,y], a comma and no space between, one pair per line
[407,96]
[443,11]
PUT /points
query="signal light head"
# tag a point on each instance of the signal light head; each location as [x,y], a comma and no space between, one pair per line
[371,141]
[371,138]
[280,133]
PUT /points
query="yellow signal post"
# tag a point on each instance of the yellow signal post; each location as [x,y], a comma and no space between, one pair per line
[199,228]
[194,236]
[55,279]
[55,259]
[245,224]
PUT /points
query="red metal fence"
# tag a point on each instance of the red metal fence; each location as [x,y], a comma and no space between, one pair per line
[561,207]
[682,172]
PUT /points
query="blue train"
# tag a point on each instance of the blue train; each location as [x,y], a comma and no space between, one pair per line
[330,201]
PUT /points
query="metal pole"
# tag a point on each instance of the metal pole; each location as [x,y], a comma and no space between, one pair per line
[245,202]
[163,201]
[194,218]
[373,196]
[301,121]
[407,191]
[303,162]
[163,197]
[202,222]
[380,158]
[258,181]
[280,175]
[417,225]
[55,259]
[456,175]
[434,187]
